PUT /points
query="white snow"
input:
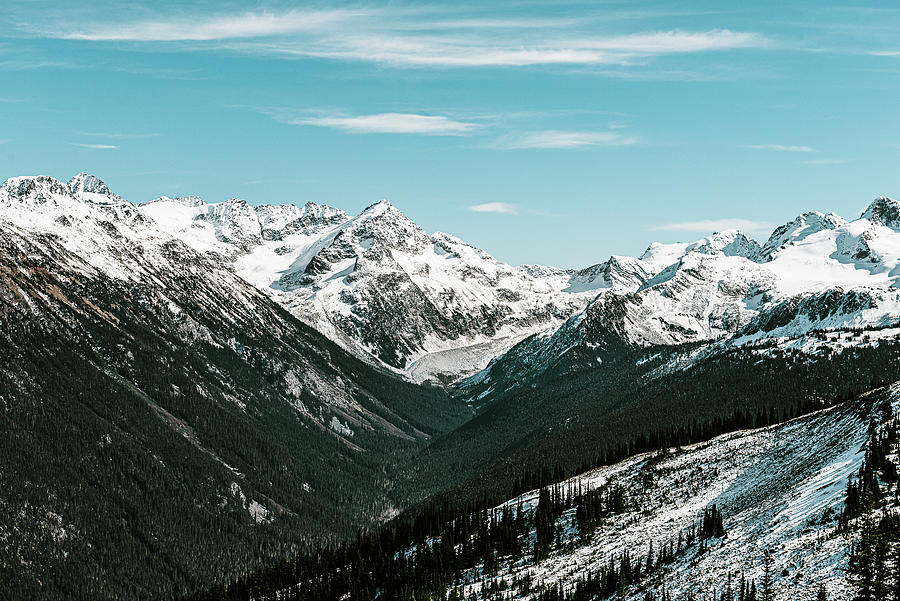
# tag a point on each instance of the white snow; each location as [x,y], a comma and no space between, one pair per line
[773,485]
[336,273]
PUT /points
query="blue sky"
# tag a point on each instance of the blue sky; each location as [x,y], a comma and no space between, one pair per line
[543,132]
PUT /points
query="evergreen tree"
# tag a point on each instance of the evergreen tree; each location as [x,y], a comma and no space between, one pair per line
[545,522]
[767,577]
[862,563]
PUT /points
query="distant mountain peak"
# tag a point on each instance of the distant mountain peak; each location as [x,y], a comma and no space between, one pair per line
[799,228]
[883,211]
[731,243]
[38,187]
[87,183]
[379,208]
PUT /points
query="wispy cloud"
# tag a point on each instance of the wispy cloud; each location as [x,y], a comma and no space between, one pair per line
[26,64]
[391,123]
[4,140]
[408,37]
[448,49]
[94,146]
[495,207]
[118,135]
[244,25]
[558,139]
[781,148]
[715,225]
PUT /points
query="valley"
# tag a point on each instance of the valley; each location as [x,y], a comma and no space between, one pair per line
[280,378]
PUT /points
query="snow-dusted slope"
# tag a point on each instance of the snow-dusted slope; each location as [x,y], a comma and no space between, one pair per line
[259,241]
[816,272]
[813,259]
[719,285]
[780,489]
[93,233]
[380,285]
[404,294]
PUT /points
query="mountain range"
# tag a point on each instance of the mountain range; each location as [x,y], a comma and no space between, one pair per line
[436,307]
[193,391]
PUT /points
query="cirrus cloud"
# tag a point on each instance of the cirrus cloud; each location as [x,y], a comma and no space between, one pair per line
[95,146]
[495,207]
[407,37]
[243,25]
[391,123]
[559,139]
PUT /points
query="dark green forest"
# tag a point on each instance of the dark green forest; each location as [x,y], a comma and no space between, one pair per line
[136,442]
[569,423]
[429,555]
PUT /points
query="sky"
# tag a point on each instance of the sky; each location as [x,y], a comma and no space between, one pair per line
[543,132]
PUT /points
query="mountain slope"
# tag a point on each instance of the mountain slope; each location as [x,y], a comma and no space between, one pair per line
[153,356]
[381,286]
[159,411]
[757,513]
[817,272]
[780,490]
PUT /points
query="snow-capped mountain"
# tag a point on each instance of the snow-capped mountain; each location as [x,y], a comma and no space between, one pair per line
[94,233]
[379,284]
[816,272]
[437,308]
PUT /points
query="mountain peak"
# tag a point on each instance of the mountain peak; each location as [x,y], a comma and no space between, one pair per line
[799,228]
[39,188]
[322,211]
[87,183]
[732,243]
[883,211]
[380,207]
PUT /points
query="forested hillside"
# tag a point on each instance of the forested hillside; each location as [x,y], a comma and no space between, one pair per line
[640,399]
[801,510]
[179,428]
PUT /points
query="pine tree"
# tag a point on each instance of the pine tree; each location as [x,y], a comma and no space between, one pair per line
[861,564]
[544,525]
